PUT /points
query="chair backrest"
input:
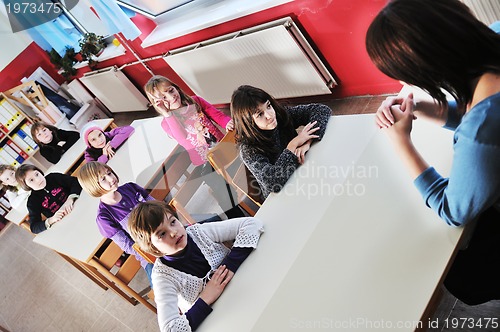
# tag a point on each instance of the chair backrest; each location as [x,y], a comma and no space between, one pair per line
[224,154]
[224,158]
[148,257]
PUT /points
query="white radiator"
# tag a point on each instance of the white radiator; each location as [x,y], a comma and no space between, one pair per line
[115,90]
[275,57]
[488,11]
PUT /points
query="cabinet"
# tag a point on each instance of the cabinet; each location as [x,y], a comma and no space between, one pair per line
[16,144]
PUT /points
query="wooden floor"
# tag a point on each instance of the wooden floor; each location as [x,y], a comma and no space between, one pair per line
[39,291]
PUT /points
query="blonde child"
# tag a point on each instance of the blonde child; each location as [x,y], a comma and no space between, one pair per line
[99,180]
[13,191]
[53,142]
[52,195]
[193,266]
[101,145]
[191,122]
[266,133]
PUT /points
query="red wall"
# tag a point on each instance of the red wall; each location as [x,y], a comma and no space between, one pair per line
[336,28]
[26,63]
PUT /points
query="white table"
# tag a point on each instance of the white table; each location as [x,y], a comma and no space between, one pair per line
[350,260]
[67,161]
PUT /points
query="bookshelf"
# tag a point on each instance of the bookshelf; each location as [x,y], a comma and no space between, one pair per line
[16,144]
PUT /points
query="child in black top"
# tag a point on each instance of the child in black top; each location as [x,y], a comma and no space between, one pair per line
[53,142]
[52,195]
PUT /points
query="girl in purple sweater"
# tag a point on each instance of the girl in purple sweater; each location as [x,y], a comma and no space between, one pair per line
[191,121]
[102,146]
[99,180]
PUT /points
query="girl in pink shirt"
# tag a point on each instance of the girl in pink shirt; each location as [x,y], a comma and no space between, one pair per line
[191,122]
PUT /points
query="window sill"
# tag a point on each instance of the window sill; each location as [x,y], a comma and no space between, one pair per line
[193,17]
[111,51]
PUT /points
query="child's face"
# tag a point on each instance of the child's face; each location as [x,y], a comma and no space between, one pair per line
[96,139]
[108,180]
[265,117]
[44,135]
[35,180]
[8,177]
[170,237]
[166,96]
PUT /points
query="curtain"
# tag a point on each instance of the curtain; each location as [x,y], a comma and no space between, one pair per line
[115,18]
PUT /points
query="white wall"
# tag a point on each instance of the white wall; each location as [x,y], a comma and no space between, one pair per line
[12,43]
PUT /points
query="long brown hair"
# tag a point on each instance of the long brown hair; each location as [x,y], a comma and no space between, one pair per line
[433,45]
[244,103]
[143,221]
[21,174]
[38,126]
[154,83]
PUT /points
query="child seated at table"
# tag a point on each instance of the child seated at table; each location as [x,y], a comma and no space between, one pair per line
[266,134]
[191,121]
[101,145]
[52,195]
[192,265]
[13,191]
[99,180]
[53,142]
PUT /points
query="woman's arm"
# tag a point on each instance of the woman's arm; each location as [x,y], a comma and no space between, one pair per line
[218,116]
[271,177]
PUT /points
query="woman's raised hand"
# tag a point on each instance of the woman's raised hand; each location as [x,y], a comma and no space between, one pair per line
[384,116]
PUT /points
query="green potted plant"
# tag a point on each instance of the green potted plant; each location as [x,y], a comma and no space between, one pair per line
[91,45]
[65,62]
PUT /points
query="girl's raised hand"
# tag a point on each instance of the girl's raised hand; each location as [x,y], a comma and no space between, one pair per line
[403,121]
[215,286]
[306,134]
[108,151]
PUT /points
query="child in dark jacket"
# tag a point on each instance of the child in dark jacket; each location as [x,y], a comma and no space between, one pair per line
[53,142]
[52,195]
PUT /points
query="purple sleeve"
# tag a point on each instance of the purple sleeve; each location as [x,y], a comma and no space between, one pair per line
[218,116]
[103,159]
[119,135]
[197,313]
[123,240]
[88,157]
[237,255]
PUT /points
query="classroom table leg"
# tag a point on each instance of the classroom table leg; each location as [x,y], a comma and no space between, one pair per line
[86,271]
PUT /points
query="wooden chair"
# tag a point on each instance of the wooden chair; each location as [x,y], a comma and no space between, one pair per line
[224,158]
[150,259]
[104,262]
[176,180]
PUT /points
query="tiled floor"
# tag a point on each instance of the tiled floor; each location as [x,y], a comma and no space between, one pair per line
[39,291]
